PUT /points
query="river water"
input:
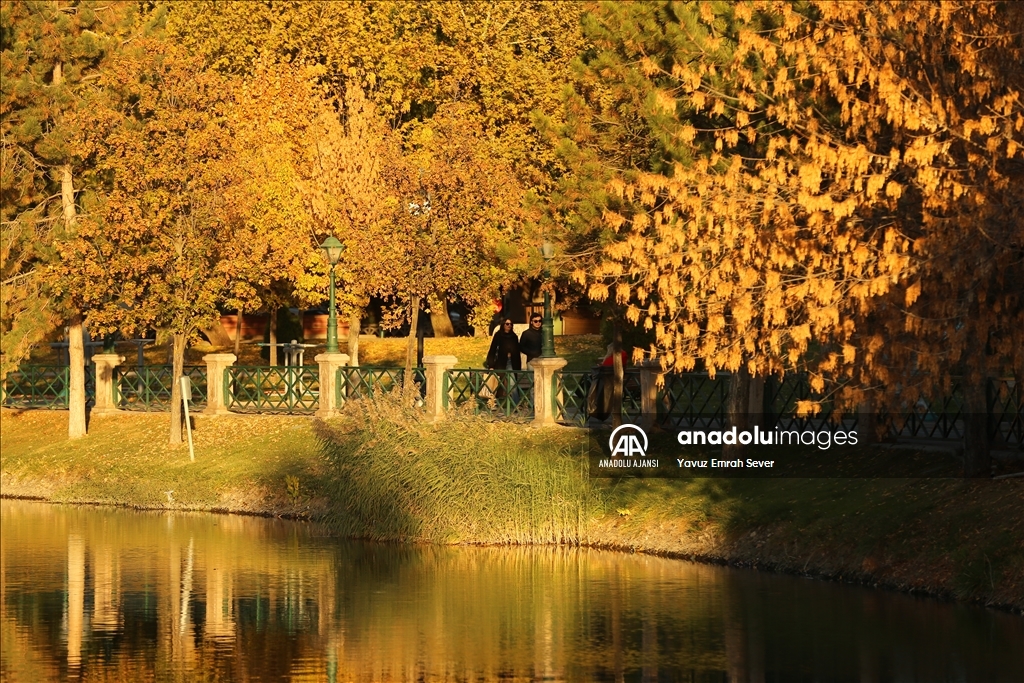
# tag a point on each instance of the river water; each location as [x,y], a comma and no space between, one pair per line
[103,594]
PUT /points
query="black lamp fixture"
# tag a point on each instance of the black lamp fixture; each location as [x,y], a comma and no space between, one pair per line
[332,248]
[547,328]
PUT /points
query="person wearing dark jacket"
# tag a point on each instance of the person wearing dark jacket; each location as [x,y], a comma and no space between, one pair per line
[530,342]
[504,351]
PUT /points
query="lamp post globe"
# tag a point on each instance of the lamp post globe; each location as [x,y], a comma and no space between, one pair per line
[547,328]
[332,248]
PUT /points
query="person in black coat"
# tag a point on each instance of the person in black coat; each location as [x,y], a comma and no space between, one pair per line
[530,342]
[504,351]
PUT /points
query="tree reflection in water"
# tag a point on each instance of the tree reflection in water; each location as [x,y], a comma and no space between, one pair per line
[96,594]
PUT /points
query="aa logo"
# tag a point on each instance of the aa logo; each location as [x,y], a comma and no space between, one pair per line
[629,441]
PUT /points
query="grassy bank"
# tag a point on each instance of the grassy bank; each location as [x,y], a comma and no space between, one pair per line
[381,473]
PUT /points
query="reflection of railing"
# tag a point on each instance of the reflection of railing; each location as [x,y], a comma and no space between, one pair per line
[149,388]
[43,386]
[503,393]
[362,382]
[264,389]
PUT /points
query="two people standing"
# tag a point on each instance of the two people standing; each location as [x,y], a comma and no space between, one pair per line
[506,348]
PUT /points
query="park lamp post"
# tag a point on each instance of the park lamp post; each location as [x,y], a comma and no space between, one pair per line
[332,247]
[547,328]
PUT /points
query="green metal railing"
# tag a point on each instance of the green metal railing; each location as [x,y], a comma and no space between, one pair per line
[149,388]
[782,410]
[945,418]
[694,400]
[578,393]
[571,388]
[367,381]
[37,386]
[261,389]
[1006,411]
[44,386]
[506,394]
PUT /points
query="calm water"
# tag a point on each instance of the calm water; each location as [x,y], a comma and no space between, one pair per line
[92,594]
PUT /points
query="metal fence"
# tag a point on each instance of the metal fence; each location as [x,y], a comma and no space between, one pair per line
[148,388]
[945,418]
[693,400]
[368,381]
[697,401]
[1006,411]
[274,389]
[505,394]
[572,389]
[581,396]
[43,386]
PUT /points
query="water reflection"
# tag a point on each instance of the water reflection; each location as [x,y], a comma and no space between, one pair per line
[89,594]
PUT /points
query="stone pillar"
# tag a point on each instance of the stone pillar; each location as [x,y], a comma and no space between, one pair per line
[106,401]
[650,371]
[329,364]
[435,368]
[216,401]
[544,370]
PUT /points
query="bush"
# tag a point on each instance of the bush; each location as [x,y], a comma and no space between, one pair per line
[464,480]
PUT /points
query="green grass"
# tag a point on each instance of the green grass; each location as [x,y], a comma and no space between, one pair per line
[242,463]
[381,472]
[392,477]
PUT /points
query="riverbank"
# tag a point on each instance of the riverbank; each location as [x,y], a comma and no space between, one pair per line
[473,481]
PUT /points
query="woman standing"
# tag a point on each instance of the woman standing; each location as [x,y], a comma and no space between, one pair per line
[504,351]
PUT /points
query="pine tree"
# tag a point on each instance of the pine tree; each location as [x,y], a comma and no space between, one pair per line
[50,51]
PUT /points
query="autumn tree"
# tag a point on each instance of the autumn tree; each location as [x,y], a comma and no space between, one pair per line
[830,187]
[500,63]
[346,178]
[157,133]
[272,260]
[458,231]
[50,51]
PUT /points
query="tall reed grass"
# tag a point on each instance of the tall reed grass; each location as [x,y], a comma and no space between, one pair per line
[393,476]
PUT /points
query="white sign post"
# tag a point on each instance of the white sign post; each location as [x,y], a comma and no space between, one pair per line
[186,396]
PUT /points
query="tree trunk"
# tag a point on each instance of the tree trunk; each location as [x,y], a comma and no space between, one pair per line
[618,372]
[439,318]
[217,335]
[354,321]
[238,332]
[177,366]
[977,453]
[410,347]
[273,336]
[738,408]
[76,379]
[76,342]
